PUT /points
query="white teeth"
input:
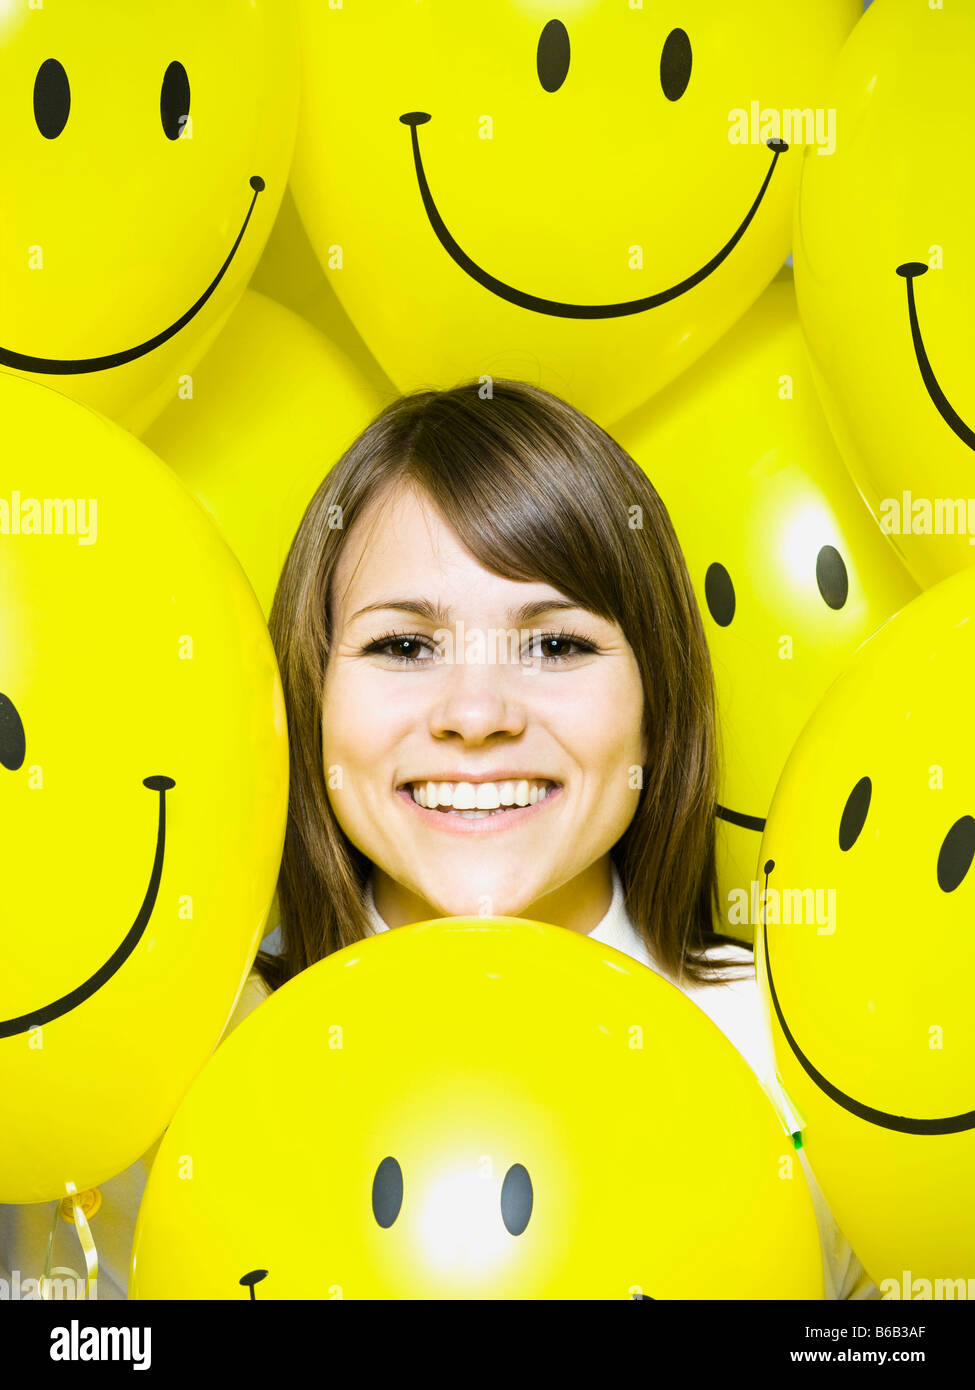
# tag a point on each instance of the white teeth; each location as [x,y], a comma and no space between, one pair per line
[465,797]
[484,798]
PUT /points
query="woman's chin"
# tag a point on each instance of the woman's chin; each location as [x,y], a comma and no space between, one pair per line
[466,903]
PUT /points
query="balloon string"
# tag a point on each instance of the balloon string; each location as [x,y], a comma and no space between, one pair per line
[87,1246]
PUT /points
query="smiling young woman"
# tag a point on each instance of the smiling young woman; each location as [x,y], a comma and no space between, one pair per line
[500,703]
[428,784]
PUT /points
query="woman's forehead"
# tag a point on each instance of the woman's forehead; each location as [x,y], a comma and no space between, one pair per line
[401,546]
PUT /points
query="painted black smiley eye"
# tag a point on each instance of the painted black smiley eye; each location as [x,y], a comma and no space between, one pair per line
[831,576]
[174,100]
[516,1199]
[855,813]
[13,741]
[552,58]
[957,852]
[719,594]
[52,99]
[387,1192]
[675,64]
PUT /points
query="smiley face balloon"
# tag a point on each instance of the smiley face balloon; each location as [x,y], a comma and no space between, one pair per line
[475,1108]
[868,956]
[145,152]
[790,570]
[143,792]
[885,272]
[545,198]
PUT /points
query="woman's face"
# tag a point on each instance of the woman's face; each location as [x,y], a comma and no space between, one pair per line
[447,683]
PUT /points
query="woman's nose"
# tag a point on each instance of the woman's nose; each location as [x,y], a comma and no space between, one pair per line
[13,741]
[477,700]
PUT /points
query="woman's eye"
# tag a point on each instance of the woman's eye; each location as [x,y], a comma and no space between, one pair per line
[556,647]
[404,649]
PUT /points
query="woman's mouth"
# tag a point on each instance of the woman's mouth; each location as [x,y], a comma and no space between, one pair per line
[478,805]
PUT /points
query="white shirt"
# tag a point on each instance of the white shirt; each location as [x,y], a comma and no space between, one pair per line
[734,1006]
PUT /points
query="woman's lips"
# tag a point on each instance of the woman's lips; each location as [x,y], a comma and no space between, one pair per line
[461,824]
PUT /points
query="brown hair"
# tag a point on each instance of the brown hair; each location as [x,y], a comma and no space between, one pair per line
[535,491]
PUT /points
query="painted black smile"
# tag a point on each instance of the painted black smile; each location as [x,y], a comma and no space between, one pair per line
[11,1026]
[413,119]
[910,271]
[739,818]
[904,1124]
[74,366]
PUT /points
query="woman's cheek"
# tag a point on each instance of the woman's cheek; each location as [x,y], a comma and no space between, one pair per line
[351,712]
[604,719]
[622,760]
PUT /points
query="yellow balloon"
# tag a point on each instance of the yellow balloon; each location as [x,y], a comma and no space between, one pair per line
[886,276]
[143,792]
[274,405]
[868,956]
[146,150]
[790,570]
[545,200]
[474,1108]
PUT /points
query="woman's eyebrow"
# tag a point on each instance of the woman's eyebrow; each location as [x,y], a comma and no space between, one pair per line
[440,617]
